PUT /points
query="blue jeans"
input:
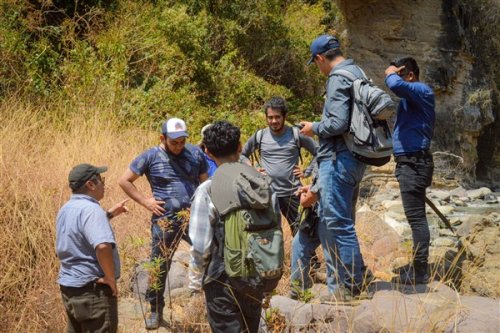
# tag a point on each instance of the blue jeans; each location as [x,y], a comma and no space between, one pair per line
[164,242]
[303,249]
[339,180]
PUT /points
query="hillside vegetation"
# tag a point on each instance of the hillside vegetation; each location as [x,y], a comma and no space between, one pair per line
[147,60]
[91,81]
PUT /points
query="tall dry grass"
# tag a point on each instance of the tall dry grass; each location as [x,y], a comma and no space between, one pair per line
[37,150]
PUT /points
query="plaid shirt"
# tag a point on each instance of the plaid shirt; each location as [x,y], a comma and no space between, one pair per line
[202,218]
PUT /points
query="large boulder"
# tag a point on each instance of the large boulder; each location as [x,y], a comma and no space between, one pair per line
[439,309]
[177,276]
[482,264]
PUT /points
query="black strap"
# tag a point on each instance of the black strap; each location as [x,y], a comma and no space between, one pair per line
[441,215]
[177,167]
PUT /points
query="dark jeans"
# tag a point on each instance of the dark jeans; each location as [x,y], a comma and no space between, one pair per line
[230,311]
[414,177]
[91,308]
[164,241]
[289,207]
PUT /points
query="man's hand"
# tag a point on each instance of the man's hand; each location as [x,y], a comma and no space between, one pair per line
[298,172]
[118,208]
[111,283]
[307,198]
[393,69]
[307,128]
[262,171]
[155,206]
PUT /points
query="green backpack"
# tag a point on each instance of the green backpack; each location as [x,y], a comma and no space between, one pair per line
[250,223]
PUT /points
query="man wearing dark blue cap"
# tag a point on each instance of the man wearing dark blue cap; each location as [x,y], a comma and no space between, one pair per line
[339,172]
[174,170]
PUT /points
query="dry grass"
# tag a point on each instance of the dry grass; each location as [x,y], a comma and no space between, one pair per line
[37,151]
[36,154]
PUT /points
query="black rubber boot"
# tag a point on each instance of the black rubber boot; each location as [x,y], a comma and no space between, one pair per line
[416,274]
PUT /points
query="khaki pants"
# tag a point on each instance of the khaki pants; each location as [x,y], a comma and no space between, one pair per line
[91,308]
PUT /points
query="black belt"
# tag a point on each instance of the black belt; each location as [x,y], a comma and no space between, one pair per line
[91,286]
[413,157]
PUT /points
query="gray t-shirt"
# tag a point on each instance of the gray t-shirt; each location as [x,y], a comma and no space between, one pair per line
[81,226]
[279,155]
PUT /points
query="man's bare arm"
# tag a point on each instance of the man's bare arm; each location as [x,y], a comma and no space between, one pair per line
[127,184]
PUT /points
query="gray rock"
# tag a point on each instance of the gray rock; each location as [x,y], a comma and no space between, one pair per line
[177,276]
[395,206]
[443,242]
[440,195]
[477,314]
[458,192]
[468,223]
[459,203]
[402,228]
[446,232]
[445,210]
[307,315]
[479,193]
[490,199]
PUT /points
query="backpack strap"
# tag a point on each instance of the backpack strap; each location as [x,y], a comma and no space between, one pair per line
[180,170]
[257,142]
[296,139]
[350,75]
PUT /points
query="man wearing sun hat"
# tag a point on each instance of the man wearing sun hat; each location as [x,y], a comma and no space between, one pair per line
[86,248]
[174,170]
[339,172]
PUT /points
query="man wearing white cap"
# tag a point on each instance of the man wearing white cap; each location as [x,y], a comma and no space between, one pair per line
[174,170]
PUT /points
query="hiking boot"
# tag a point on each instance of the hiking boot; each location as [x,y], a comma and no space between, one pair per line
[368,276]
[154,320]
[342,295]
[412,276]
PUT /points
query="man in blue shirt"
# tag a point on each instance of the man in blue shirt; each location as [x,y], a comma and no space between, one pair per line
[86,248]
[339,172]
[174,170]
[413,132]
[212,166]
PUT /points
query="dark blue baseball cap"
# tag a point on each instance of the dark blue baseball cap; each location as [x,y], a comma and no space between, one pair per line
[322,44]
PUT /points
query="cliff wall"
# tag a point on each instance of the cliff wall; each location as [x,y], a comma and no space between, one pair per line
[456,45]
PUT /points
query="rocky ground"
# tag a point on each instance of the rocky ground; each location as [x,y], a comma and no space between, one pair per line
[465,265]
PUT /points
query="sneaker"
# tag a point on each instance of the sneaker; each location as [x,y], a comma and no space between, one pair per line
[154,320]
[293,295]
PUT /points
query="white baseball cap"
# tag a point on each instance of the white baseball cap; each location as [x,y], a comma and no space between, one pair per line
[174,128]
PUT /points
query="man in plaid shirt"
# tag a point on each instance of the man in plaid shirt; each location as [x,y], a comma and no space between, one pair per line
[228,309]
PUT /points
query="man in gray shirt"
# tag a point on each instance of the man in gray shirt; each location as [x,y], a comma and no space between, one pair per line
[86,248]
[279,147]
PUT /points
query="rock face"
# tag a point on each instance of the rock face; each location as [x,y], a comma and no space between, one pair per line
[444,38]
[482,263]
